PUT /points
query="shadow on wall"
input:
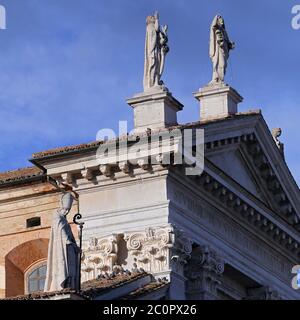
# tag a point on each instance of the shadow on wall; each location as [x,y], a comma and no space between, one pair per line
[21,259]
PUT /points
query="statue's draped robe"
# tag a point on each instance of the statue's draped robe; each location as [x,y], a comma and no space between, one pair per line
[62,263]
[151,68]
[219,53]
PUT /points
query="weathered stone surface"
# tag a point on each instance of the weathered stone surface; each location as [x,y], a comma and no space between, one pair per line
[219,49]
[154,109]
[156,48]
[217,101]
[62,260]
[204,274]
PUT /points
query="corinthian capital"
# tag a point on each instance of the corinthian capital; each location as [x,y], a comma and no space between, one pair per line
[204,272]
[159,249]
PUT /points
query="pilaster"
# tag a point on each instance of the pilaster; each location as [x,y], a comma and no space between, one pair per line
[204,273]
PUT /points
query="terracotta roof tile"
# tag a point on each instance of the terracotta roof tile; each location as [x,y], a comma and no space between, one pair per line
[20,175]
[148,288]
[41,295]
[95,287]
[60,150]
[90,288]
[96,144]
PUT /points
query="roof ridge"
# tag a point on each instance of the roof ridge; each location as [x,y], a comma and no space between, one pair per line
[86,146]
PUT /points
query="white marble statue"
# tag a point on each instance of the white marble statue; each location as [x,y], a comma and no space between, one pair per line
[156,49]
[219,49]
[62,263]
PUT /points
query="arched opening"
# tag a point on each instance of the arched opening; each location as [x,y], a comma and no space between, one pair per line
[20,261]
[35,277]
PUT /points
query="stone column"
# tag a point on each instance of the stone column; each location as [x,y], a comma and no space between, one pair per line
[204,274]
[163,252]
[100,255]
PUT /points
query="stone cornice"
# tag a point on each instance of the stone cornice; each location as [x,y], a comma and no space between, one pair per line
[246,207]
[15,194]
[281,226]
[270,179]
[220,186]
[243,118]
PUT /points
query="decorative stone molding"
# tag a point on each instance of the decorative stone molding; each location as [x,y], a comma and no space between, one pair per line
[163,159]
[87,174]
[248,213]
[264,167]
[143,163]
[99,256]
[159,249]
[66,178]
[124,167]
[262,293]
[105,169]
[203,272]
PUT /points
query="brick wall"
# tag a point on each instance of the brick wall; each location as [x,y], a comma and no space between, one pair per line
[19,245]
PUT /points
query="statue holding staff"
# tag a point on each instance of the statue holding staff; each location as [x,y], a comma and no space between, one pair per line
[63,262]
[156,49]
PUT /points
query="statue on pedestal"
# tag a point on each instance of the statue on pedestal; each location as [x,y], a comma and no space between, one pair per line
[219,49]
[156,48]
[63,252]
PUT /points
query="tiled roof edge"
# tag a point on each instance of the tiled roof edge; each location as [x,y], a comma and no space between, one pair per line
[95,144]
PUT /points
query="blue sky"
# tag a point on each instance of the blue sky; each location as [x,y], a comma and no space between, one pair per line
[67,67]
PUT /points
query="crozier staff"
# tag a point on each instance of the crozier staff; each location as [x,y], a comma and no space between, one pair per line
[156,48]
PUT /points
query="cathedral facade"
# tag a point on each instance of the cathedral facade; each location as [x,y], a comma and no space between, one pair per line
[158,224]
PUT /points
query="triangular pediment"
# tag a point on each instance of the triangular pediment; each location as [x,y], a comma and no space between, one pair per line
[246,151]
[233,163]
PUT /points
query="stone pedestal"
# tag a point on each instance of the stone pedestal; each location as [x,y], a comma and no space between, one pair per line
[217,100]
[154,109]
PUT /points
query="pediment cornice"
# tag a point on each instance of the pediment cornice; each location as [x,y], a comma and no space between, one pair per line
[267,164]
[246,208]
